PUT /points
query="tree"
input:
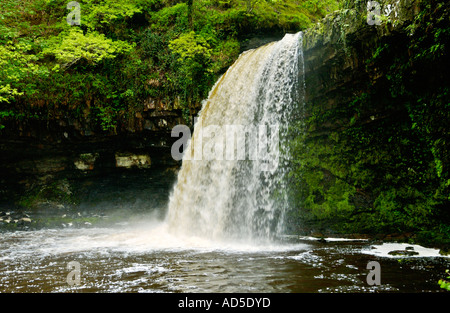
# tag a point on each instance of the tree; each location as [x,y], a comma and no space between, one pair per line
[190,4]
[93,47]
[194,59]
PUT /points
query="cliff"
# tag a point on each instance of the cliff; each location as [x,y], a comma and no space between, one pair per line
[373,157]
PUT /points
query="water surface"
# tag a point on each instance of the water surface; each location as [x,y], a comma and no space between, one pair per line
[143,257]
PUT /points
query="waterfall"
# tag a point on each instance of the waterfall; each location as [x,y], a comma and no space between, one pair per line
[232,181]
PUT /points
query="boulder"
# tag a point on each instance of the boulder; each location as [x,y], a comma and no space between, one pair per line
[403,253]
[86,161]
[130,160]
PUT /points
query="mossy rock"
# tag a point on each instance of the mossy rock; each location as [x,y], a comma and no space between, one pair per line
[403,253]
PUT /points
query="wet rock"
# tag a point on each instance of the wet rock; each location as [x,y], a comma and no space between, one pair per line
[260,40]
[49,165]
[403,252]
[149,125]
[86,161]
[130,160]
[15,218]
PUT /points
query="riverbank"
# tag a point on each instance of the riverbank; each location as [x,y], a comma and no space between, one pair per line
[94,199]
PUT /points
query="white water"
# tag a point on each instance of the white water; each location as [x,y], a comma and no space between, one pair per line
[147,236]
[235,198]
[384,249]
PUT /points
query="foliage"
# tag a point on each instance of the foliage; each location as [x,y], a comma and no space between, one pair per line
[126,52]
[194,60]
[56,192]
[443,283]
[17,65]
[381,163]
[92,47]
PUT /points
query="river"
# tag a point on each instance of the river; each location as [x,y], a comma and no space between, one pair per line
[141,256]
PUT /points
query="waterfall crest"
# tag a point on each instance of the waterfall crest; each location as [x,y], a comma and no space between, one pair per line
[233,176]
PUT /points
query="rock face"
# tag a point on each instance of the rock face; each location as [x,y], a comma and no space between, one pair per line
[336,48]
[338,74]
[29,165]
[368,87]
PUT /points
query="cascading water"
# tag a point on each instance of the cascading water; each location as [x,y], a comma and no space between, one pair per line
[233,177]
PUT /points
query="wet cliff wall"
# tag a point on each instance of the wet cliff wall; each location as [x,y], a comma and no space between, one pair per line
[374,154]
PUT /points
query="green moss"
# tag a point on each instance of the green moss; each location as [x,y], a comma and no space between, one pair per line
[57,192]
[378,163]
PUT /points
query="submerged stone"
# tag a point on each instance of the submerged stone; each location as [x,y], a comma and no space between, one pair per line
[403,253]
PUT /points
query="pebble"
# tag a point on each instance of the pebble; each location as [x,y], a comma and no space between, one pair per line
[24,220]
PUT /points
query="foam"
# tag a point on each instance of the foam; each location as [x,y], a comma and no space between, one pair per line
[384,249]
